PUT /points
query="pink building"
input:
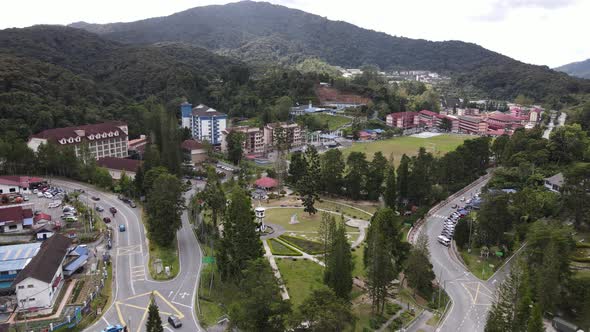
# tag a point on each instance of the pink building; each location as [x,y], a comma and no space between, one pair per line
[500,120]
[428,118]
[473,125]
[403,120]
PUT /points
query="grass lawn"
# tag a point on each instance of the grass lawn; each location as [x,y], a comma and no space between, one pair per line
[397,146]
[169,257]
[301,277]
[278,247]
[334,121]
[310,247]
[347,210]
[307,223]
[480,267]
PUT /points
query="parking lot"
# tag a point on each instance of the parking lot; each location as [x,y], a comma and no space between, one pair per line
[461,210]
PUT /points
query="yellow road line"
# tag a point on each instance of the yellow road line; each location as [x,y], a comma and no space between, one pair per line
[179,314]
[140,325]
[136,296]
[121,320]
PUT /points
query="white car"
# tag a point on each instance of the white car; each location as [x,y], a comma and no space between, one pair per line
[39,194]
[47,195]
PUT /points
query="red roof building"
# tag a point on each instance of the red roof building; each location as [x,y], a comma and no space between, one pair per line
[266,182]
[109,139]
[118,166]
[18,184]
[428,118]
[403,120]
[15,218]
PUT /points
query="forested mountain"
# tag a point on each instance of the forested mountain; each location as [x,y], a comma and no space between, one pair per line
[259,32]
[579,69]
[57,76]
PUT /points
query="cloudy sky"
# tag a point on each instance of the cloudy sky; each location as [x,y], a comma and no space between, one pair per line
[544,32]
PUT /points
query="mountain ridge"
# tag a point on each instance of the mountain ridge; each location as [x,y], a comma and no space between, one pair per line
[578,69]
[260,32]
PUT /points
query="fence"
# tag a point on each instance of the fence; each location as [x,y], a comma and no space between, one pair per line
[418,224]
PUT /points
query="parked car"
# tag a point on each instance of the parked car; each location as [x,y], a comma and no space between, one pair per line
[444,240]
[174,321]
[99,208]
[70,218]
[47,194]
[454,206]
[106,220]
[113,210]
[95,198]
[132,204]
[121,228]
[114,328]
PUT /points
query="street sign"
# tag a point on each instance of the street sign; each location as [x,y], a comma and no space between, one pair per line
[208,260]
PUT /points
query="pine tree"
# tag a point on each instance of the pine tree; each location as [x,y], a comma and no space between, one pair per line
[377,168]
[240,243]
[390,193]
[326,233]
[309,184]
[213,196]
[338,272]
[154,322]
[234,146]
[332,171]
[535,323]
[297,168]
[356,175]
[501,317]
[403,171]
[419,269]
[164,208]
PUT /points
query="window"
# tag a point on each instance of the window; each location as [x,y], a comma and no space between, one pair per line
[12,190]
[12,226]
[31,286]
[31,299]
[21,287]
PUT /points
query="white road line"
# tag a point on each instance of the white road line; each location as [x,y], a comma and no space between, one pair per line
[184,305]
[105,320]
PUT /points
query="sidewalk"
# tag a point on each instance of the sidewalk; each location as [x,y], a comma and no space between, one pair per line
[275,269]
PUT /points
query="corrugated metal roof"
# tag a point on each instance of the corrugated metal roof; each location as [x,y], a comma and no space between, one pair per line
[17,256]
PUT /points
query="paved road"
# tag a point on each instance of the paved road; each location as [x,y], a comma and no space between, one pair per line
[132,285]
[551,126]
[471,297]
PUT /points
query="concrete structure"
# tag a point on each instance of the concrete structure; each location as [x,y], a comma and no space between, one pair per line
[428,118]
[118,166]
[472,125]
[14,219]
[44,233]
[403,120]
[499,120]
[254,139]
[205,123]
[291,132]
[554,183]
[39,283]
[14,184]
[137,146]
[14,258]
[194,151]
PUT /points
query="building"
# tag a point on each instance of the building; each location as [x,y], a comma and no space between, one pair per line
[15,219]
[39,283]
[205,123]
[403,120]
[108,139]
[554,183]
[118,166]
[291,132]
[499,120]
[14,184]
[14,258]
[472,125]
[75,259]
[194,151]
[137,146]
[428,118]
[44,233]
[254,140]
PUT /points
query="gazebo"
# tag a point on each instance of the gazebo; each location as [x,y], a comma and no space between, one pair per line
[266,183]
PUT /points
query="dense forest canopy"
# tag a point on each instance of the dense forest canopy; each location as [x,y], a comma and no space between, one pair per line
[259,32]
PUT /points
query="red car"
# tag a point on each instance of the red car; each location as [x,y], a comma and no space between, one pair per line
[113,210]
[106,220]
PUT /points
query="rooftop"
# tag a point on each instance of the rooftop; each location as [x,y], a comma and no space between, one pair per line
[191,144]
[16,257]
[44,265]
[204,110]
[75,134]
[556,179]
[16,180]
[122,164]
[14,213]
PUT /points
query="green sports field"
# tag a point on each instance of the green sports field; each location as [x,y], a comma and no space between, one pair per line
[397,146]
[334,121]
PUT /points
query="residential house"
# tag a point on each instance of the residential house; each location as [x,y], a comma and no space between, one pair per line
[554,183]
[44,233]
[194,151]
[39,283]
[14,258]
[15,219]
[254,140]
[205,123]
[109,139]
[291,133]
[14,184]
[118,166]
[403,120]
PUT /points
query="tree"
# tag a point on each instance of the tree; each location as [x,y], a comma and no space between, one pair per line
[332,170]
[234,140]
[390,193]
[568,143]
[494,218]
[309,184]
[326,233]
[403,172]
[297,168]
[576,193]
[419,269]
[535,323]
[258,305]
[384,255]
[322,310]
[154,322]
[213,196]
[102,178]
[151,176]
[164,207]
[499,146]
[356,176]
[240,243]
[502,313]
[446,125]
[374,182]
[338,272]
[462,231]
[125,185]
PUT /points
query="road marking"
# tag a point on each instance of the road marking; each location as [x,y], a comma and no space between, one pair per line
[129,250]
[171,292]
[105,320]
[184,305]
[183,295]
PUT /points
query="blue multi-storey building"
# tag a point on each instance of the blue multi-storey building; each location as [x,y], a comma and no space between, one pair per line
[205,123]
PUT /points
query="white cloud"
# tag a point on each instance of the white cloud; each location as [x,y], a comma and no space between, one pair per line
[548,32]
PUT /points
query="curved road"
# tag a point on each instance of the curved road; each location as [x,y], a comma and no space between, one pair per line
[132,285]
[471,297]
